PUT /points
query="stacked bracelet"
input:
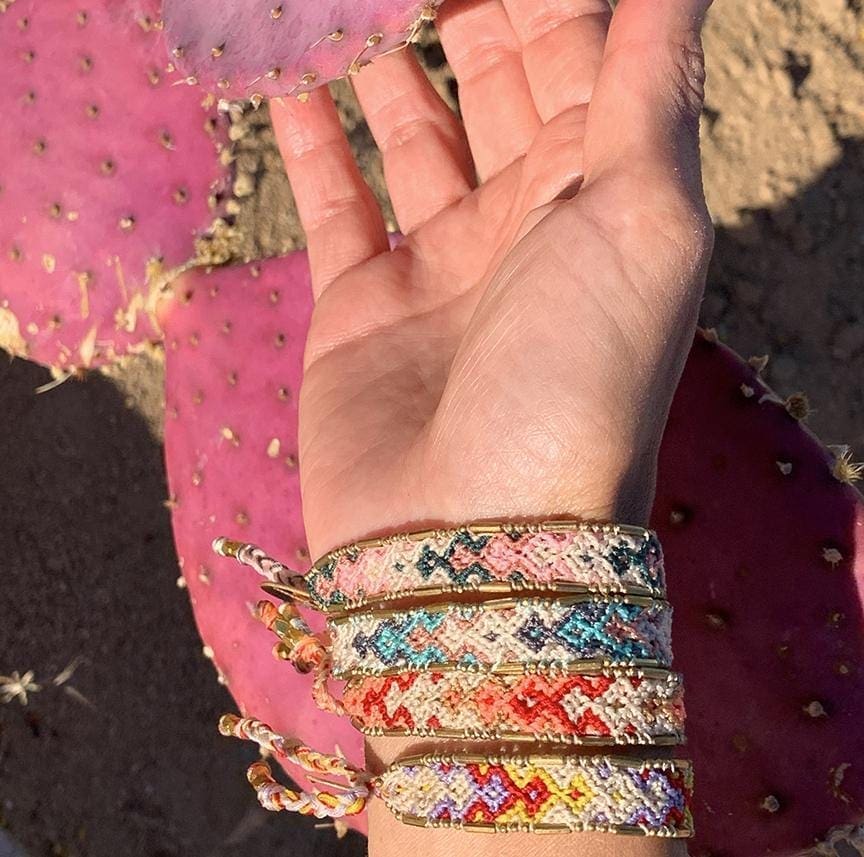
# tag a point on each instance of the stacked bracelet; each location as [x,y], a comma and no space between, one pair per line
[506,794]
[601,707]
[580,654]
[556,556]
[536,793]
[505,635]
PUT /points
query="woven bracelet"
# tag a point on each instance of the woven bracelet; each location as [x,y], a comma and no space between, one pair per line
[563,557]
[541,793]
[506,794]
[505,635]
[603,707]
[556,556]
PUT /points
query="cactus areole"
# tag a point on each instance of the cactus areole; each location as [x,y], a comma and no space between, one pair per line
[107,174]
[762,539]
[252,49]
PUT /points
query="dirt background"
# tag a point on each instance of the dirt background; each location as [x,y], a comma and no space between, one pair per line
[123,754]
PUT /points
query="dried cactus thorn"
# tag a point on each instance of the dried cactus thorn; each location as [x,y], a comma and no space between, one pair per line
[716,621]
[815,709]
[798,406]
[844,468]
[770,803]
[230,435]
[832,556]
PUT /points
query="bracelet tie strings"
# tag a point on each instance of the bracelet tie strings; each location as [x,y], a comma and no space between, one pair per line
[290,583]
[273,796]
[305,650]
[297,643]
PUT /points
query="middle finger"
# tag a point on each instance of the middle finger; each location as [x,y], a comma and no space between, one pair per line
[562,49]
[486,58]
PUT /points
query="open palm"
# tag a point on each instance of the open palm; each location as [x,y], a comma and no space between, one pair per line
[516,354]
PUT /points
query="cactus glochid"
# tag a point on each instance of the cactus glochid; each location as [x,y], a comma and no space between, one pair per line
[249,49]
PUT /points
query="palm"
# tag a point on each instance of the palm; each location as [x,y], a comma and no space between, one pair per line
[500,356]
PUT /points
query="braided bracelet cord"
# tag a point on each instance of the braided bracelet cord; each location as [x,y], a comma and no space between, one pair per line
[505,636]
[540,793]
[275,797]
[603,707]
[562,556]
[291,582]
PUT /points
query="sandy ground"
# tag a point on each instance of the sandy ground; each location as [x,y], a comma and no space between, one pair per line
[123,754]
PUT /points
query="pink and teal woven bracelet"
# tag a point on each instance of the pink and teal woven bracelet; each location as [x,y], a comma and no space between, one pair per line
[560,556]
[553,557]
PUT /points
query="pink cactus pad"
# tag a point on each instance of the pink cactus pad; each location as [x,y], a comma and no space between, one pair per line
[105,178]
[254,49]
[761,546]
[234,346]
[766,573]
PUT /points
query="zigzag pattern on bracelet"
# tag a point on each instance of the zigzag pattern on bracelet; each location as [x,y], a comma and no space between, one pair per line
[496,636]
[604,707]
[652,798]
[490,557]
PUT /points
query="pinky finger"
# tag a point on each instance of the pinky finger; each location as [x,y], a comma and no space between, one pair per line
[343,223]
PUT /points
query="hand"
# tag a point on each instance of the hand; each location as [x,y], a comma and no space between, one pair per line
[517,354]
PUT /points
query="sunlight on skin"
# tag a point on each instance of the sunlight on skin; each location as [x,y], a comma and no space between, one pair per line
[516,356]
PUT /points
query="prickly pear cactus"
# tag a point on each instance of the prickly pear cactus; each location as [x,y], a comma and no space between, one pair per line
[234,342]
[253,49]
[759,527]
[107,173]
[762,539]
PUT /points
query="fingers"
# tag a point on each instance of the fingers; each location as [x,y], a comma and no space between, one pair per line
[342,220]
[484,53]
[562,49]
[644,116]
[427,163]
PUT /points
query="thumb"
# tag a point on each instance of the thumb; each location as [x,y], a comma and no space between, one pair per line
[644,114]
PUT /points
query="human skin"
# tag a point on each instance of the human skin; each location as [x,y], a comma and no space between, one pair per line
[516,356]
